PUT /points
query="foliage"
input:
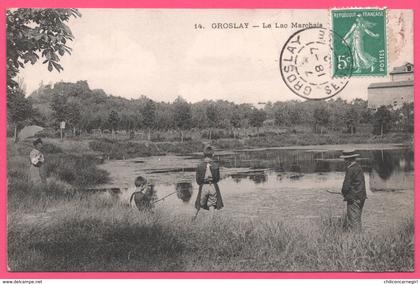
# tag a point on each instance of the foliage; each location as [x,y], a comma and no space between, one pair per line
[19,109]
[405,118]
[182,113]
[113,119]
[149,114]
[321,117]
[382,121]
[94,108]
[75,170]
[35,33]
[257,117]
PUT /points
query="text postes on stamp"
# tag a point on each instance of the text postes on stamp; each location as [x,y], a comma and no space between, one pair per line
[305,64]
[364,31]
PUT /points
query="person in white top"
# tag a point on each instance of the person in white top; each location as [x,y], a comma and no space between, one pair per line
[37,160]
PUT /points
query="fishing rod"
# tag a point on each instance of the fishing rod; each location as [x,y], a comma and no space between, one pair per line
[333,192]
[163,197]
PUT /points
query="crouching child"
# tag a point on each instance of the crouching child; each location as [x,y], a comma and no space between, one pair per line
[143,196]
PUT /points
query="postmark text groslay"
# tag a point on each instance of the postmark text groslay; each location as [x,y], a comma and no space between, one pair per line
[305,64]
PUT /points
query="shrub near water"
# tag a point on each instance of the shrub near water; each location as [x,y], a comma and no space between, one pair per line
[125,149]
[65,173]
[80,171]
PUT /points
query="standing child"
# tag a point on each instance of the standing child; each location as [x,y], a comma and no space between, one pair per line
[207,177]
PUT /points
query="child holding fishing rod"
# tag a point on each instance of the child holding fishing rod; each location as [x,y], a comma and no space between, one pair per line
[207,177]
[143,195]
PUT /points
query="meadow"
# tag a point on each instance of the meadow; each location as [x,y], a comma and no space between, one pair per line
[60,227]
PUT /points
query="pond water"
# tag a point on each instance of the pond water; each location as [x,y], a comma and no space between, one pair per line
[286,183]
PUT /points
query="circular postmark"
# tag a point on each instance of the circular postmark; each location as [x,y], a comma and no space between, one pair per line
[306,65]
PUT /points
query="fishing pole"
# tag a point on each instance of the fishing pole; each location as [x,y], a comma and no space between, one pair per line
[333,192]
[164,197]
[196,213]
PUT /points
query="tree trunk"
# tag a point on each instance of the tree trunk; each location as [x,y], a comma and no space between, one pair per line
[182,136]
[74,131]
[15,135]
[210,134]
[148,134]
[382,130]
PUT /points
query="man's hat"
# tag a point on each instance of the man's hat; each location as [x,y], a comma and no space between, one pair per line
[349,154]
[37,141]
[208,150]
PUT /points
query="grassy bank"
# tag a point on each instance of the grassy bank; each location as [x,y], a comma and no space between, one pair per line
[89,236]
[65,173]
[56,227]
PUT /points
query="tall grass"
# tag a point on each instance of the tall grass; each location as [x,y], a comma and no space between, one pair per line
[93,235]
[65,172]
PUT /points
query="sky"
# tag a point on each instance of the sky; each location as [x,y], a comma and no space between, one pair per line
[160,54]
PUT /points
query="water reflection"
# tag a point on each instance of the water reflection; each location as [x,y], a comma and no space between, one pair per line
[384,164]
[385,168]
[258,177]
[184,191]
[385,171]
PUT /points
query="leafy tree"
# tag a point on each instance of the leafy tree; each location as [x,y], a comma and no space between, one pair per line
[182,115]
[211,113]
[382,121]
[31,34]
[59,108]
[73,115]
[113,120]
[407,117]
[35,33]
[321,118]
[149,116]
[19,109]
[257,118]
[351,120]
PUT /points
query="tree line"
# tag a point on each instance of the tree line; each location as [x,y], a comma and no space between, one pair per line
[85,110]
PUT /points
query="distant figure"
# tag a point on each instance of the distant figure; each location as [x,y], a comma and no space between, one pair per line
[207,177]
[143,194]
[353,191]
[36,162]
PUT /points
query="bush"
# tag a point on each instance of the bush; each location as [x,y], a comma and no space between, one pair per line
[48,133]
[48,148]
[75,170]
[121,150]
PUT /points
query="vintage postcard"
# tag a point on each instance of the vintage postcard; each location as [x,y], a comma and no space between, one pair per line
[210,140]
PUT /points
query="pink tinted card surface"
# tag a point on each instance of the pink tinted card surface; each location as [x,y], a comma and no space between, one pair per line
[244,76]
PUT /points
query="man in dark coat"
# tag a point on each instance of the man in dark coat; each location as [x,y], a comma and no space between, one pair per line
[353,190]
[207,177]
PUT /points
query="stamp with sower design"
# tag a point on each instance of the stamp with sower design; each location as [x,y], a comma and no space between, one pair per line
[364,31]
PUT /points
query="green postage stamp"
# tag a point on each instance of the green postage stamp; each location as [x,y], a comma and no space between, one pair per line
[363,32]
